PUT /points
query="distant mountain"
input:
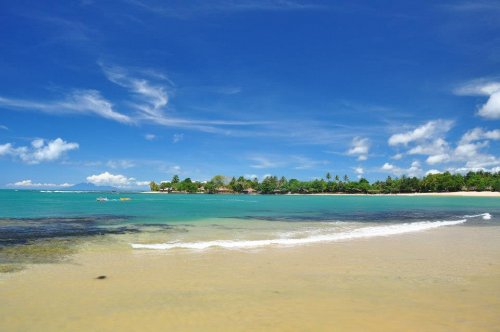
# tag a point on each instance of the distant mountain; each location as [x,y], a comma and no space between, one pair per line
[91,187]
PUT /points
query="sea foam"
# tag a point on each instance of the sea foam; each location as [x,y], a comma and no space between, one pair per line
[364,232]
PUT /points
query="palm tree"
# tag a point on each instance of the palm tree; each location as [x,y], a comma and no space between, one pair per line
[328,176]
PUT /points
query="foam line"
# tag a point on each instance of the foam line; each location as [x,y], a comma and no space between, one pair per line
[485,216]
[365,232]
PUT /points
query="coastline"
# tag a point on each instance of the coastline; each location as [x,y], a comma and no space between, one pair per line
[443,279]
[447,194]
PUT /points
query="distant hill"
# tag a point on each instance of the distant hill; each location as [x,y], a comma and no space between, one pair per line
[91,187]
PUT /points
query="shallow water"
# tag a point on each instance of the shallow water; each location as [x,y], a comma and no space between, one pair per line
[33,221]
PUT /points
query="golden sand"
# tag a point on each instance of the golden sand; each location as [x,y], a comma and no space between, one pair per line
[440,280]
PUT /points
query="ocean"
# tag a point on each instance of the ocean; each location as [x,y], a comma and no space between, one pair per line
[200,222]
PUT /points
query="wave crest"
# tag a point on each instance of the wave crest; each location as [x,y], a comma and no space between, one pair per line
[365,232]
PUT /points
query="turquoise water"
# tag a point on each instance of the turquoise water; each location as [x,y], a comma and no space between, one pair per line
[33,215]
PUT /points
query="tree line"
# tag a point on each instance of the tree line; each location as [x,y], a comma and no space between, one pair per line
[442,182]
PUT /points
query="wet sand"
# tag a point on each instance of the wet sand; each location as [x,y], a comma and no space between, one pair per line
[446,279]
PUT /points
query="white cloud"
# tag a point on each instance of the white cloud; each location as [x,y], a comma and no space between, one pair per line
[479,134]
[388,167]
[150,137]
[437,146]
[359,171]
[427,141]
[413,170]
[424,132]
[37,143]
[175,169]
[464,170]
[397,156]
[491,109]
[115,180]
[470,146]
[359,147]
[51,150]
[469,150]
[120,164]
[250,176]
[437,158]
[177,138]
[40,150]
[433,171]
[4,127]
[108,179]
[5,149]
[30,184]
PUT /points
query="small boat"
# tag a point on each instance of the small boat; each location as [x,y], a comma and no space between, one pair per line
[102,199]
[125,199]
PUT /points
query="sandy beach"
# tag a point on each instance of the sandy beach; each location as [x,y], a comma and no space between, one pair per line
[458,193]
[440,280]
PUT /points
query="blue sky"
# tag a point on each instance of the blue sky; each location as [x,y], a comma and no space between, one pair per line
[123,92]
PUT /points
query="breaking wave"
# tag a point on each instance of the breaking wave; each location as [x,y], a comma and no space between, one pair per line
[359,233]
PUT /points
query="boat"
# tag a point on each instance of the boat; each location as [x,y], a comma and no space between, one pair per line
[102,199]
[125,199]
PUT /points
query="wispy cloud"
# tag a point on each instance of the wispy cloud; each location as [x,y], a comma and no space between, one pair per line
[473,6]
[297,162]
[76,102]
[122,163]
[302,162]
[148,99]
[4,127]
[197,8]
[262,162]
[150,137]
[177,138]
[39,151]
[152,98]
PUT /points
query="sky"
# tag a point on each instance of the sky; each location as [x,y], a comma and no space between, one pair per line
[124,92]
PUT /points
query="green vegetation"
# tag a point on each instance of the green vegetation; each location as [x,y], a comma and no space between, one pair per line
[443,182]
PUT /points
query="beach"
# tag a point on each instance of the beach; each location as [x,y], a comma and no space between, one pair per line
[439,280]
[444,194]
[248,262]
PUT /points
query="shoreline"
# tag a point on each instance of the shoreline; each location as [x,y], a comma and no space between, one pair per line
[443,279]
[447,194]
